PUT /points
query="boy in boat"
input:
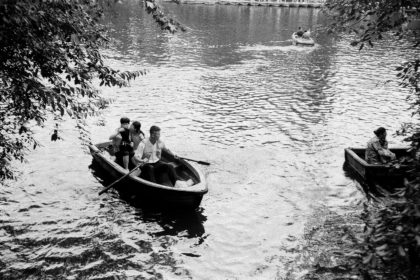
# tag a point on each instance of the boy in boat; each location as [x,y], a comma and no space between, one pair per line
[122,139]
[149,153]
[377,151]
[299,33]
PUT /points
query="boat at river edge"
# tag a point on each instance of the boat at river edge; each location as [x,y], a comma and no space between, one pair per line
[160,194]
[375,173]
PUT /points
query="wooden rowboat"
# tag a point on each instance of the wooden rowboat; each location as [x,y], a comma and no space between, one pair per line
[302,41]
[372,173]
[162,193]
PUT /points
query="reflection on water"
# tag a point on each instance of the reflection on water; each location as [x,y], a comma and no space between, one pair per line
[272,118]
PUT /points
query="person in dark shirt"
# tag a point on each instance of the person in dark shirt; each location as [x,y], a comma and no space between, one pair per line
[299,33]
[122,139]
[55,136]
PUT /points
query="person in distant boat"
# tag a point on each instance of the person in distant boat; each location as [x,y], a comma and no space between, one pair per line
[377,151]
[299,33]
[136,134]
[55,136]
[306,34]
[149,154]
[122,141]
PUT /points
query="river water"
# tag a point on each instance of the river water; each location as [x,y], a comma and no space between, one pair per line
[272,119]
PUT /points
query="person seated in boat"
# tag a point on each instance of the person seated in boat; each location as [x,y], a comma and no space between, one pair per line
[306,34]
[299,33]
[149,154]
[121,139]
[377,151]
[136,134]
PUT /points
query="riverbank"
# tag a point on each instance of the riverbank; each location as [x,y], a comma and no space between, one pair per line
[329,244]
[268,3]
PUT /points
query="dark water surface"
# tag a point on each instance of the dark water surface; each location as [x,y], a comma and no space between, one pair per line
[272,118]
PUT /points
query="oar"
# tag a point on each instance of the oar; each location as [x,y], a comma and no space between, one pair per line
[197,161]
[110,186]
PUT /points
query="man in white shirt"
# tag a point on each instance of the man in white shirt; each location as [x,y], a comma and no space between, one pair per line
[149,153]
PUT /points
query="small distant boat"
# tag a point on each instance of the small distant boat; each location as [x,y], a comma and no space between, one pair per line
[161,193]
[302,41]
[372,173]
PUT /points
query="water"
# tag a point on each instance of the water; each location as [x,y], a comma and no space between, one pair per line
[273,119]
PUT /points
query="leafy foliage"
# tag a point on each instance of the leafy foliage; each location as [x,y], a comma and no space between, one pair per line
[49,58]
[165,23]
[369,20]
[393,233]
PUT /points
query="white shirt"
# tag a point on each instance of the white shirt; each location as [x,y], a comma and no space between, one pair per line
[147,150]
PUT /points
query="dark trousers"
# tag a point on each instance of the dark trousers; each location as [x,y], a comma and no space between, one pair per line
[149,170]
[119,159]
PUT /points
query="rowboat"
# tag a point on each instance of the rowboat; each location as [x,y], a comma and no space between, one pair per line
[162,193]
[302,41]
[372,173]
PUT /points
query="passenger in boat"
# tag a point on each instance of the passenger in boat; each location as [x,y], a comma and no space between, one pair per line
[122,140]
[377,151]
[299,33]
[136,134]
[306,34]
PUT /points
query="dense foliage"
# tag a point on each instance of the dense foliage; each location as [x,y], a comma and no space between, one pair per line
[392,243]
[49,58]
[393,226]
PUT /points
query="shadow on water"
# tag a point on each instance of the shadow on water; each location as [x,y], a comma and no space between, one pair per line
[173,221]
[373,190]
[187,224]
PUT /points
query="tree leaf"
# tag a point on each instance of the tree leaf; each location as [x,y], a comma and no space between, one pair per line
[401,251]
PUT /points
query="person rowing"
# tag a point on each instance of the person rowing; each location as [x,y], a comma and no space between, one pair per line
[148,154]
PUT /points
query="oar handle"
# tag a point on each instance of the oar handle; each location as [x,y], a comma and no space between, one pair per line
[110,186]
[197,161]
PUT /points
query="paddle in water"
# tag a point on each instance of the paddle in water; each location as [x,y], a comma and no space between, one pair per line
[110,186]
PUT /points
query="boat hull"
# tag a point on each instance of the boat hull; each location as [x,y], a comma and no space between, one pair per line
[145,192]
[374,173]
[301,41]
